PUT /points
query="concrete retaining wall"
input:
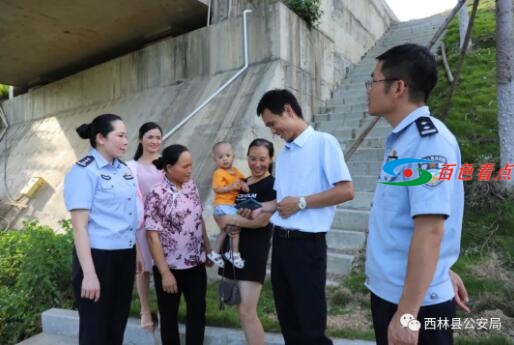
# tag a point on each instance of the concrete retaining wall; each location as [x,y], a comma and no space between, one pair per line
[164,82]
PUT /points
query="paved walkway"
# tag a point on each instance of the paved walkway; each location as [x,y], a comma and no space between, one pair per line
[50,339]
[60,327]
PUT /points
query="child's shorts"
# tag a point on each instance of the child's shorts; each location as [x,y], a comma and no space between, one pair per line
[224,210]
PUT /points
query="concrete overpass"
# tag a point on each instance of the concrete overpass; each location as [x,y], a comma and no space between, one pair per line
[41,41]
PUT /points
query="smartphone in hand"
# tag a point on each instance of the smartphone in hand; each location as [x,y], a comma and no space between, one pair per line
[250,204]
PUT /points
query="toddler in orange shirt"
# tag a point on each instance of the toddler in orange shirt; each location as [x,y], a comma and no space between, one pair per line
[227,181]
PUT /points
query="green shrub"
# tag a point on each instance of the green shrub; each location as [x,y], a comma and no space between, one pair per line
[308,10]
[35,275]
[4,91]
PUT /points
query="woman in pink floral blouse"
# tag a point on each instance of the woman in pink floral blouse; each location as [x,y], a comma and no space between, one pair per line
[178,243]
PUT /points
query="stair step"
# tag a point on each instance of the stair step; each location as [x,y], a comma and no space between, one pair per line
[368,142]
[362,168]
[335,106]
[345,239]
[365,183]
[321,118]
[352,133]
[351,219]
[368,154]
[362,200]
[339,264]
[357,123]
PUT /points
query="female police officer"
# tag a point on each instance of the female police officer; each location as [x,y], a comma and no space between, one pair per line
[100,193]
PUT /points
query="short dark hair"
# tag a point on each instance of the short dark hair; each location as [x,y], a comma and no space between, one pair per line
[101,124]
[170,155]
[145,127]
[275,100]
[415,65]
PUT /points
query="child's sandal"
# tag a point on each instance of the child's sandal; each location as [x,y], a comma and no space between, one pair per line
[235,259]
[216,259]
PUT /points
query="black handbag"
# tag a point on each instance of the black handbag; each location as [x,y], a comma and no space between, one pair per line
[228,290]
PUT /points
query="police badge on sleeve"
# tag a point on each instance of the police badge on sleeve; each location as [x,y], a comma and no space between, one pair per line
[434,168]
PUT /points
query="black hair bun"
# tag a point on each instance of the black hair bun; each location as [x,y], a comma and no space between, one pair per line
[84,131]
[159,164]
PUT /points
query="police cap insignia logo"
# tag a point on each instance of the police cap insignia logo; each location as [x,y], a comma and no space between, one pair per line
[434,168]
[84,162]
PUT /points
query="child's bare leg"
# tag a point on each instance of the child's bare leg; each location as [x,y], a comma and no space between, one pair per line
[221,237]
[235,243]
[215,255]
[235,256]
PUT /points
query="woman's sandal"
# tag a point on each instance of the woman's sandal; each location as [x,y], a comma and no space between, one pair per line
[147,321]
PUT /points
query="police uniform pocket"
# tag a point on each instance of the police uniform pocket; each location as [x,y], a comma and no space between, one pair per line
[105,190]
[391,197]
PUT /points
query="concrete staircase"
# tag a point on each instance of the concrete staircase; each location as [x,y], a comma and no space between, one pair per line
[345,117]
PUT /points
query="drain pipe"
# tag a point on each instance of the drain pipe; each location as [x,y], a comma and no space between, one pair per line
[223,87]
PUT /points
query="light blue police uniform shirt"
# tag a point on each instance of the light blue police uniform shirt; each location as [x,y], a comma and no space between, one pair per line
[391,222]
[108,192]
[310,164]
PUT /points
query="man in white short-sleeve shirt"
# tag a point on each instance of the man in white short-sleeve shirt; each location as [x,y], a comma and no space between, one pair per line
[311,179]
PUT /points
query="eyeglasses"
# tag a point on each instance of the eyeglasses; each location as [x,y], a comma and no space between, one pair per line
[369,83]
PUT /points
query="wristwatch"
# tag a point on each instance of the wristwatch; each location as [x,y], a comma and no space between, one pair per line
[302,203]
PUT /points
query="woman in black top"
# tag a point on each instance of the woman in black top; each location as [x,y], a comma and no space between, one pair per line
[255,236]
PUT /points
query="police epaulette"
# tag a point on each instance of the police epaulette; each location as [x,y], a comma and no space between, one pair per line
[84,162]
[426,126]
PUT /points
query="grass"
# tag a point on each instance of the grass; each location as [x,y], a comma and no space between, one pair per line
[228,317]
[472,115]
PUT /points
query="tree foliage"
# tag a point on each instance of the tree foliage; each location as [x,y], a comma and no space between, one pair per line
[4,91]
[308,10]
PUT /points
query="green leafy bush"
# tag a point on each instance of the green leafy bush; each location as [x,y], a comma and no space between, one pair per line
[35,275]
[4,91]
[308,10]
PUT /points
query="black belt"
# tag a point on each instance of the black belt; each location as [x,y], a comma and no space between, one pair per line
[295,234]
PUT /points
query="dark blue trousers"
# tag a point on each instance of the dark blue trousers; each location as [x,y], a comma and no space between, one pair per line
[383,311]
[191,282]
[298,277]
[104,322]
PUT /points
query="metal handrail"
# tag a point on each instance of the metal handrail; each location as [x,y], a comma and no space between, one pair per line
[222,87]
[348,154]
